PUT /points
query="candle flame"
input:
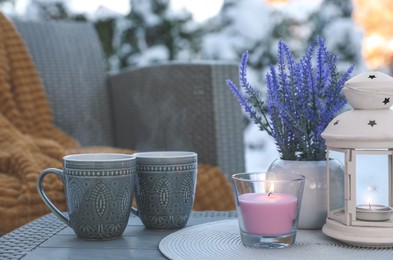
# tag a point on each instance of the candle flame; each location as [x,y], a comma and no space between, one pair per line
[271,189]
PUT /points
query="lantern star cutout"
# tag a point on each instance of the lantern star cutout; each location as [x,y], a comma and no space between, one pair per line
[373,188]
[372,76]
[372,123]
[386,101]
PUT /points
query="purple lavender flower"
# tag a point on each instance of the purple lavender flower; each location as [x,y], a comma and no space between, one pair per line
[301,100]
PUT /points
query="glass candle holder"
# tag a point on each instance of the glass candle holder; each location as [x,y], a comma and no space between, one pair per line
[268,206]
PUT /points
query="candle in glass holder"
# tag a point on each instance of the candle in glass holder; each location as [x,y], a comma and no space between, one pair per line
[268,208]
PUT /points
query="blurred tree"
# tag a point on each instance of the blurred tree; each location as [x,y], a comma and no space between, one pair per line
[106,30]
[152,32]
[257,27]
[4,4]
[52,10]
[333,21]
[7,1]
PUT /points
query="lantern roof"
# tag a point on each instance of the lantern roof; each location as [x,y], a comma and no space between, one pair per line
[369,90]
[361,129]
[372,80]
[370,123]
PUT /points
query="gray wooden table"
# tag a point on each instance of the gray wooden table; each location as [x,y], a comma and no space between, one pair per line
[49,238]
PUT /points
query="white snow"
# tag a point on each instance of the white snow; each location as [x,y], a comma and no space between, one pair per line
[103,13]
[155,53]
[201,9]
[90,7]
[251,20]
[260,149]
[300,10]
[144,7]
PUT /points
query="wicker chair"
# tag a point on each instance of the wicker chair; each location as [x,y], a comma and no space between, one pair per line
[176,106]
[172,106]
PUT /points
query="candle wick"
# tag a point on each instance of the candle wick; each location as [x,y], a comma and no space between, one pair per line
[270,193]
[369,204]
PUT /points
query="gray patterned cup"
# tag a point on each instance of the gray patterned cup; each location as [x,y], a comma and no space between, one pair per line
[165,188]
[99,189]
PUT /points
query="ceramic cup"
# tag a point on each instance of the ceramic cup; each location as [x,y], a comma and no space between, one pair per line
[99,189]
[165,188]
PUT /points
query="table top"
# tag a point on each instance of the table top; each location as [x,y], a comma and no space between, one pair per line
[49,238]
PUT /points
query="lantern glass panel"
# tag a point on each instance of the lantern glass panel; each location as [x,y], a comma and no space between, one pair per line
[372,179]
[336,197]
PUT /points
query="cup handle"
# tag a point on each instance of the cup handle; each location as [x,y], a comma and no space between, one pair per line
[45,198]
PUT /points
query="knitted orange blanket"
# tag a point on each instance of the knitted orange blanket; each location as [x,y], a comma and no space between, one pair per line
[29,143]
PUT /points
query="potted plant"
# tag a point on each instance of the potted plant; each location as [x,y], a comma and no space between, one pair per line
[302,98]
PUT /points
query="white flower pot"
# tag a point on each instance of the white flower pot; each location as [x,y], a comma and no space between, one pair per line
[313,210]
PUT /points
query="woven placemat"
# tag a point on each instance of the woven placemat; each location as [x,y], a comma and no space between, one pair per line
[221,240]
[21,241]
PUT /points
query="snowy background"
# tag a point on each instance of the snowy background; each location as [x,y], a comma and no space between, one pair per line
[141,32]
[221,32]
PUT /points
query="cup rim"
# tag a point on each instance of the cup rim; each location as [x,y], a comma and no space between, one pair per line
[288,177]
[164,154]
[98,157]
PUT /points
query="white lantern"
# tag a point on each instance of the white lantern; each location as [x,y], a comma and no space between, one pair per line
[364,138]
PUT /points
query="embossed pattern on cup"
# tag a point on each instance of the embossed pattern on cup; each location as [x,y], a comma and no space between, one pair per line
[99,190]
[165,188]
